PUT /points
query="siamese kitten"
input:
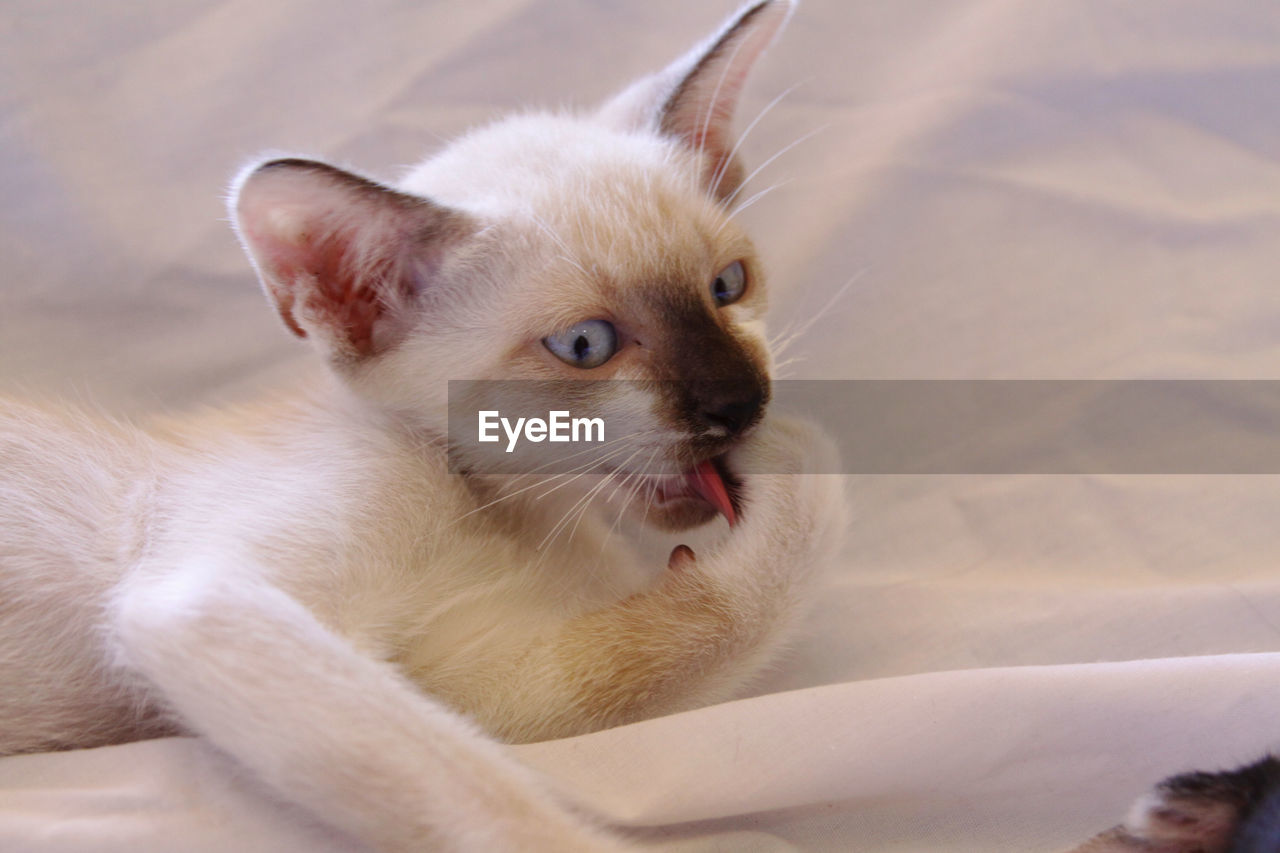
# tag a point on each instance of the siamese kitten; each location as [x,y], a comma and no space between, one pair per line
[310,588]
[1237,811]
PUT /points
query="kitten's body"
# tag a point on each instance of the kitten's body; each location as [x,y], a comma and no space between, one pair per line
[307,586]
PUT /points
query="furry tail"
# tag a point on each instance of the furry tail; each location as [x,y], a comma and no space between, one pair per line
[1237,811]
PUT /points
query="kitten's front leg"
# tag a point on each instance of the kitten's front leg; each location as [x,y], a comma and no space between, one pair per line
[793,515]
[245,666]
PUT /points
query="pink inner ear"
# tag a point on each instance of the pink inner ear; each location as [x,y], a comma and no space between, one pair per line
[708,133]
[333,269]
[702,110]
[333,249]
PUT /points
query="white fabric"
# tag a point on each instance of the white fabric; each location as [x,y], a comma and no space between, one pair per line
[1022,188]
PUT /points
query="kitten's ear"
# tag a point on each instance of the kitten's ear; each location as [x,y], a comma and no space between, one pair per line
[343,259]
[694,98]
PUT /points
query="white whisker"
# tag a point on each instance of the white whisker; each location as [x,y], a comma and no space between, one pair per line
[613,454]
[564,247]
[783,365]
[750,201]
[779,343]
[724,166]
[639,480]
[584,467]
[756,197]
[715,94]
[728,201]
[582,502]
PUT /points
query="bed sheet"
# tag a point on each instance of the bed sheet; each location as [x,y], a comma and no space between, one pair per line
[1017,189]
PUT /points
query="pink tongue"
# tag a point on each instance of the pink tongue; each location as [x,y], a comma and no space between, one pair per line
[708,483]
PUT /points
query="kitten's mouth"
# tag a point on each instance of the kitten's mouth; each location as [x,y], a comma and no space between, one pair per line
[709,482]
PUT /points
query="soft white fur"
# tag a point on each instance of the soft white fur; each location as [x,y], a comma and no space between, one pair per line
[304,583]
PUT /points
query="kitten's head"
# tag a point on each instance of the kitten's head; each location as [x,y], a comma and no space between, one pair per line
[551,248]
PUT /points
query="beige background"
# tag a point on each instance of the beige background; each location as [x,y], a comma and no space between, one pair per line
[1036,189]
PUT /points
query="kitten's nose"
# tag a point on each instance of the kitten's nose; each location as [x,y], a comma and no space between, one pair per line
[731,409]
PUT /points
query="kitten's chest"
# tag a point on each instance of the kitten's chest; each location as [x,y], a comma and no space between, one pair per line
[437,588]
[460,613]
[420,573]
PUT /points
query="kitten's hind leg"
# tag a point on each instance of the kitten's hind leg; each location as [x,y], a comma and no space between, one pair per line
[342,735]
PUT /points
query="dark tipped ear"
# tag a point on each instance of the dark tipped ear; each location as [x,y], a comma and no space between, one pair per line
[694,98]
[343,259]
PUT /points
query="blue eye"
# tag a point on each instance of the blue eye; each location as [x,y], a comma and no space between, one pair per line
[589,344]
[729,285]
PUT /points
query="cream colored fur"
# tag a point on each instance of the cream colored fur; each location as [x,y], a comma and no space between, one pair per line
[304,583]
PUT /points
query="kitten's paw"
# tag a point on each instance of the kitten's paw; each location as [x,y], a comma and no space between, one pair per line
[785,445]
[1169,817]
[792,500]
[1232,812]
[1163,823]
[789,471]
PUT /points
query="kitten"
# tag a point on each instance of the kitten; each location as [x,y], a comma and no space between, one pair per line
[308,586]
[1236,811]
